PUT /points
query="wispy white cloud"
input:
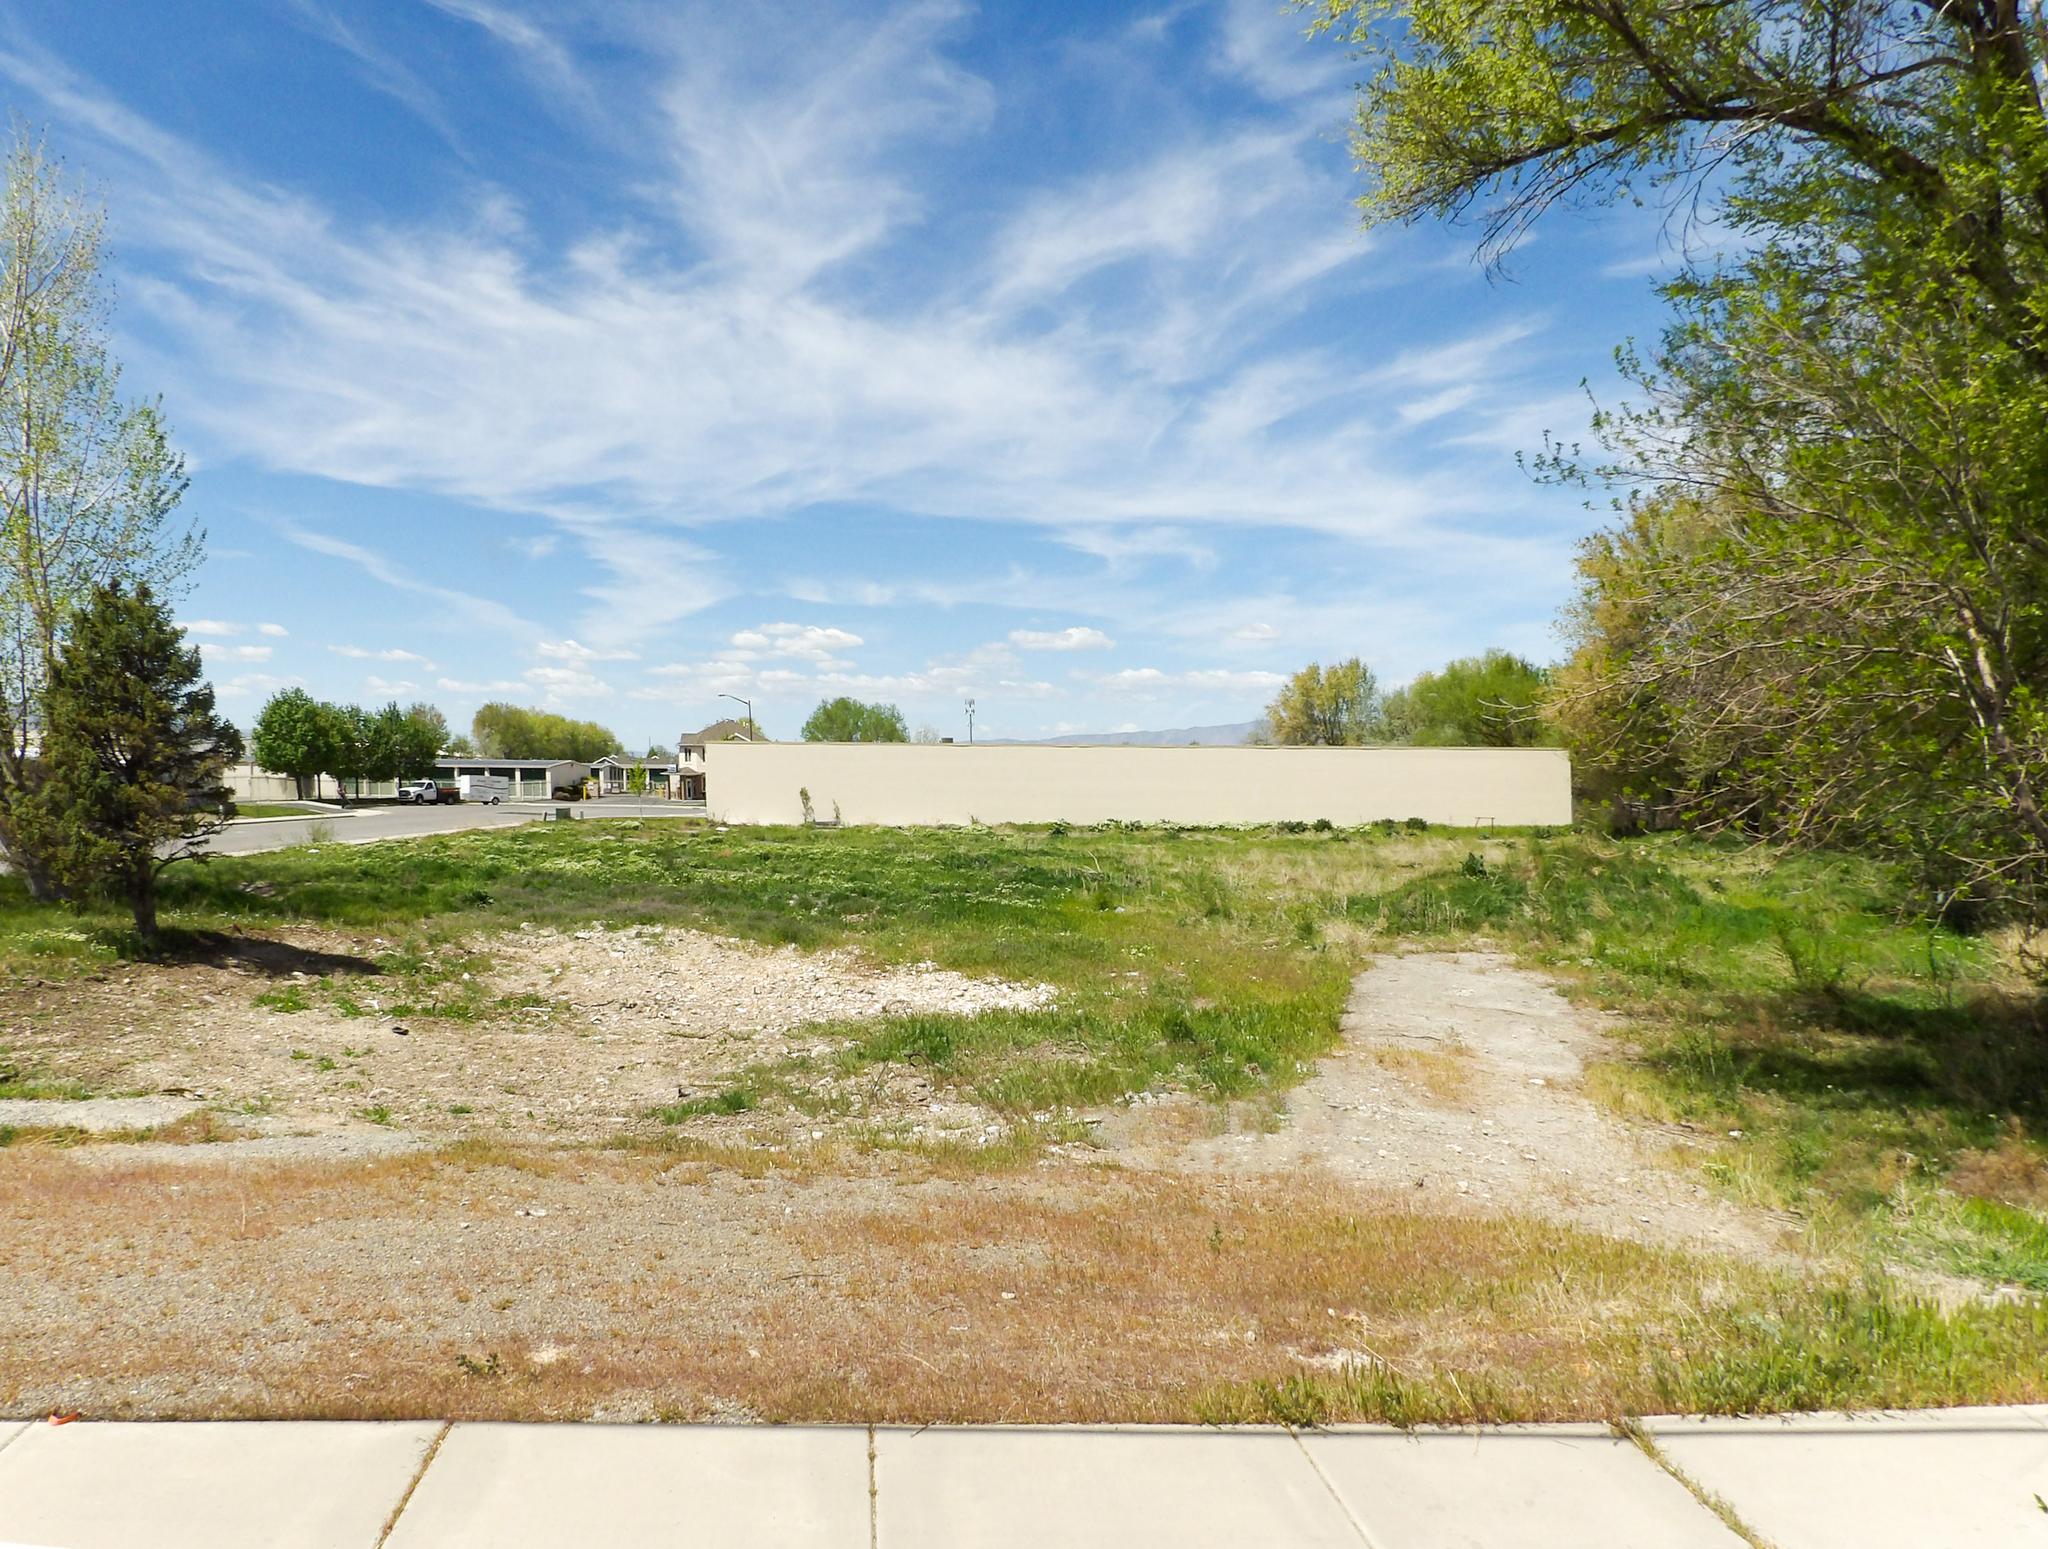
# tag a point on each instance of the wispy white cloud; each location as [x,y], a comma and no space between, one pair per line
[237,653]
[802,642]
[461,606]
[440,358]
[278,631]
[773,299]
[572,651]
[377,66]
[251,685]
[1151,683]
[211,627]
[991,670]
[1076,638]
[357,653]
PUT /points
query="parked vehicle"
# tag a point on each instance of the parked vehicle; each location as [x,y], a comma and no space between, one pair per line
[422,793]
[490,789]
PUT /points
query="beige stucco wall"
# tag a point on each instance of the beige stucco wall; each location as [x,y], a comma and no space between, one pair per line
[905,784]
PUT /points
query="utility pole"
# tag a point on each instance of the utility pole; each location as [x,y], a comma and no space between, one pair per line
[970,723]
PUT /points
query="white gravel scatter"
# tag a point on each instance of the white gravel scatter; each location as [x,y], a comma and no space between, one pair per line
[705,984]
[95,1113]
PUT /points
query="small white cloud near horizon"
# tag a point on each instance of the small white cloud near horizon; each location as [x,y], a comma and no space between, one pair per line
[1151,683]
[357,653]
[455,686]
[565,685]
[571,651]
[236,653]
[1255,632]
[211,627]
[277,630]
[801,642]
[251,684]
[1077,638]
[402,686]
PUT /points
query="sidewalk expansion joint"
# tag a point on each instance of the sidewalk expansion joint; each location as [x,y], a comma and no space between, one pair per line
[1634,1430]
[874,1514]
[405,1500]
[1343,1505]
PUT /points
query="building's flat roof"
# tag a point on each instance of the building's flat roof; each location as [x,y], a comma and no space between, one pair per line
[446,761]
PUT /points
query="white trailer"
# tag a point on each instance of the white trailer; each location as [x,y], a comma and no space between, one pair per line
[490,789]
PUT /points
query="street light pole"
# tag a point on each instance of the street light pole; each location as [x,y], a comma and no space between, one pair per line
[970,723]
[752,734]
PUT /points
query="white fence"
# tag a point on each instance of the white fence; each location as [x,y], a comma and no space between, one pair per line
[906,784]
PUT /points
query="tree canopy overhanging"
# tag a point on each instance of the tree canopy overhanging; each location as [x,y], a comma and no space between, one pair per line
[1822,614]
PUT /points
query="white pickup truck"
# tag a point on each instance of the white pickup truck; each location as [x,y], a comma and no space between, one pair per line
[426,793]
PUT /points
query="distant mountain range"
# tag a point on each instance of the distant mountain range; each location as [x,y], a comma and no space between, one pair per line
[1177,737]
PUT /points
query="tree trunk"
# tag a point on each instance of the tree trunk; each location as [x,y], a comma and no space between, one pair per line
[142,898]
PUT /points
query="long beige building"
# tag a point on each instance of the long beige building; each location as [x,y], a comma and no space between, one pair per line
[908,784]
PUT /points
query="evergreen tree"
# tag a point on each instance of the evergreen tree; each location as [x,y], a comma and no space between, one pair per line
[135,753]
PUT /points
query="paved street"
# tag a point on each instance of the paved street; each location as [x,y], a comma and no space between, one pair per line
[1939,1480]
[362,825]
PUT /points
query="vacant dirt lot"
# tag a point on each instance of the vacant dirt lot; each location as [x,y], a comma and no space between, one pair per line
[499,1264]
[562,1037]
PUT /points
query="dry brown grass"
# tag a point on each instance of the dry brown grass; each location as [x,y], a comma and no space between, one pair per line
[663,1285]
[1446,1075]
[2012,1172]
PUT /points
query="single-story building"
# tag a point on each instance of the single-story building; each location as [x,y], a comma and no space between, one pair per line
[531,778]
[912,784]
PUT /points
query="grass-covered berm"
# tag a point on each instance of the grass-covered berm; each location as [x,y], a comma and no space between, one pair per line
[815,1123]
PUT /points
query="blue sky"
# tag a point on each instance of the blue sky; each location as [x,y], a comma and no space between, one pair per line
[609,355]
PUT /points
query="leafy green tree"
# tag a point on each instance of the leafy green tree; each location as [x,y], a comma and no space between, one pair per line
[433,724]
[351,744]
[136,754]
[294,735]
[88,483]
[1336,706]
[848,720]
[1485,701]
[399,744]
[1848,645]
[503,730]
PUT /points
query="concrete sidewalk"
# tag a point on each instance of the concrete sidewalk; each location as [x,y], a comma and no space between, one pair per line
[1914,1481]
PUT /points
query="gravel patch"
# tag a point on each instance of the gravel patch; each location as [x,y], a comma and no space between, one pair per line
[95,1114]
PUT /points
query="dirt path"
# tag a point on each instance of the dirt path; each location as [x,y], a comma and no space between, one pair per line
[1458,1080]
